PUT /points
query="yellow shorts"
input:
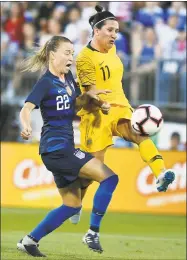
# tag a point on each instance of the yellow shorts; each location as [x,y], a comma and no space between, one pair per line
[98,129]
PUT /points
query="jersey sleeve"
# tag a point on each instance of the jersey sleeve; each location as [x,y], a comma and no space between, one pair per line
[85,70]
[38,93]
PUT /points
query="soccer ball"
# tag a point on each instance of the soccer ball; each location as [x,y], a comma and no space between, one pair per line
[146,120]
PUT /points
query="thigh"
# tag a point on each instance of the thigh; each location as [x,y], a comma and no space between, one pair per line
[122,115]
[96,132]
[95,170]
[125,130]
[65,165]
[71,195]
[100,155]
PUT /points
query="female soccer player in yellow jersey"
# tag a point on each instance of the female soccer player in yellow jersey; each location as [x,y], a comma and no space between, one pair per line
[99,67]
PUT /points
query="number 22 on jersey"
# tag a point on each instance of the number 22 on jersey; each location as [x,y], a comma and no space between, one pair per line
[62,102]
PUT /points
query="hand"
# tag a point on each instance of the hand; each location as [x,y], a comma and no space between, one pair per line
[105,108]
[26,132]
[77,82]
[94,93]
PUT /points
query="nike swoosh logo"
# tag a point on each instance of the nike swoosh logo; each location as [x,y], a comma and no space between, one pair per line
[99,214]
[59,91]
[101,63]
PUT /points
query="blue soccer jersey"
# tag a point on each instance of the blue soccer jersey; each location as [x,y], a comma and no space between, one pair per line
[56,100]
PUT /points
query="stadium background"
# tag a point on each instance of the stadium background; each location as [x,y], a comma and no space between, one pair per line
[152,46]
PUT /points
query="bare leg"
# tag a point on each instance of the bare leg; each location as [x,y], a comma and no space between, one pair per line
[86,183]
[95,170]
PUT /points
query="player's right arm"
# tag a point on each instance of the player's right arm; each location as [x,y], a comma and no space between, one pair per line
[33,101]
[25,119]
[86,72]
[87,79]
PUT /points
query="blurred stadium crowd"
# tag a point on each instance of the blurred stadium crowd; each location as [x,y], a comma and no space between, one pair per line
[151,43]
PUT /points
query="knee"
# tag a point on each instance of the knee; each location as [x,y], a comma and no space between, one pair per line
[112,181]
[110,175]
[85,183]
[139,139]
[115,179]
[70,211]
[76,203]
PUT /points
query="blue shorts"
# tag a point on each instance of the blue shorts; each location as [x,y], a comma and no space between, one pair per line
[65,164]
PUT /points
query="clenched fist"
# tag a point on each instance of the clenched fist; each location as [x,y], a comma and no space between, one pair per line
[26,132]
[105,108]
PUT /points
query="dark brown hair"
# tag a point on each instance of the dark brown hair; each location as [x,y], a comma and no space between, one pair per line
[100,17]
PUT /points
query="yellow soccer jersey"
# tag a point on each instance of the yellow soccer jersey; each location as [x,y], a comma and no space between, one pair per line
[104,70]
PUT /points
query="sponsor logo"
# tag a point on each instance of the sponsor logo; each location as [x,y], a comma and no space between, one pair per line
[176,192]
[60,91]
[146,182]
[29,174]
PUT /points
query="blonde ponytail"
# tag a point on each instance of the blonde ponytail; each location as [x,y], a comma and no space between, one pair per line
[40,59]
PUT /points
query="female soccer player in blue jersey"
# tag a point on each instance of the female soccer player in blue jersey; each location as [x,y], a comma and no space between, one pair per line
[55,95]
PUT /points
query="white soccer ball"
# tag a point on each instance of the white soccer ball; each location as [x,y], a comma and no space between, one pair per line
[147,120]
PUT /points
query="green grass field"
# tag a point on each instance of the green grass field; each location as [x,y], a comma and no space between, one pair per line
[123,236]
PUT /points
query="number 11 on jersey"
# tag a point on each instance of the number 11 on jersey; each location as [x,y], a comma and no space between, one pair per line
[106,72]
